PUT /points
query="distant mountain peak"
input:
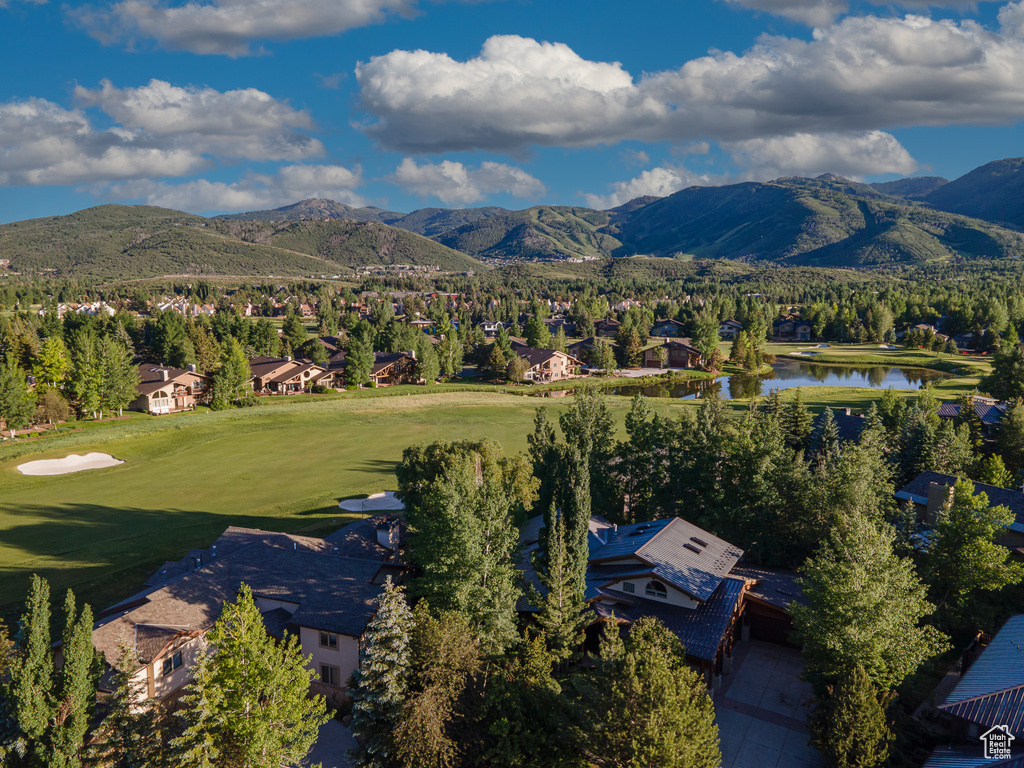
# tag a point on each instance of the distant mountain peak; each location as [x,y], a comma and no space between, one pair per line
[832,178]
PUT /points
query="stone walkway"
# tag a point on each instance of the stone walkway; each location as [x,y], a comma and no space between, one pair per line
[762,710]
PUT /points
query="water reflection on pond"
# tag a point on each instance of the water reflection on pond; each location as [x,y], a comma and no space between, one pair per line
[788,374]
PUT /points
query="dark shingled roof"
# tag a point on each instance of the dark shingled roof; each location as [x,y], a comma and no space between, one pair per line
[989,413]
[701,630]
[917,491]
[991,692]
[775,587]
[382,360]
[359,539]
[850,426]
[333,593]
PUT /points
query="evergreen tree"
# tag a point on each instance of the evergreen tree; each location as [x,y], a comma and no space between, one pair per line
[129,735]
[799,422]
[994,472]
[231,379]
[864,607]
[558,343]
[17,401]
[561,619]
[964,558]
[848,725]
[444,658]
[74,688]
[967,415]
[358,362]
[631,348]
[119,378]
[293,330]
[705,335]
[649,708]
[952,454]
[601,356]
[428,368]
[543,454]
[54,363]
[537,334]
[381,682]
[828,442]
[30,689]
[504,341]
[587,425]
[261,715]
[1006,381]
[87,372]
[738,352]
[1010,438]
[496,363]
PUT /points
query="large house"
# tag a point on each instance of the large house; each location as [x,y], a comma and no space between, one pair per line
[668,329]
[163,389]
[284,376]
[791,328]
[929,491]
[678,354]
[547,364]
[729,329]
[607,328]
[669,569]
[989,411]
[388,368]
[320,590]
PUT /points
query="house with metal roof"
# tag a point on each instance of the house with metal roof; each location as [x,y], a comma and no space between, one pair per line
[990,695]
[323,591]
[930,490]
[989,411]
[669,569]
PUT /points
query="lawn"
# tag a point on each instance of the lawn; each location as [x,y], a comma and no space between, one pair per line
[281,466]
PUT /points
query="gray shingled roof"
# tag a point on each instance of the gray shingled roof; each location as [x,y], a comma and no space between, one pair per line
[334,593]
[687,557]
[917,491]
[992,690]
[775,587]
[989,413]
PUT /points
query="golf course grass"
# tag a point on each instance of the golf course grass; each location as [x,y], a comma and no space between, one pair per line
[281,466]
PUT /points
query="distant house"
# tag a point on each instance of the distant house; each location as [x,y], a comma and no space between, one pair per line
[791,328]
[989,411]
[547,365]
[283,376]
[668,329]
[163,389]
[491,328]
[729,329]
[669,569]
[554,323]
[393,368]
[679,354]
[607,328]
[583,349]
[990,693]
[320,590]
[930,490]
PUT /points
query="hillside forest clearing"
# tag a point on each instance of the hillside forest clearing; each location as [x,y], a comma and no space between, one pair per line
[282,466]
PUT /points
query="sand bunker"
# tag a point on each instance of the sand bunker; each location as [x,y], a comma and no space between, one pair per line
[72,463]
[375,502]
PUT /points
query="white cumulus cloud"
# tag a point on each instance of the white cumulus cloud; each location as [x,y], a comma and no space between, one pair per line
[804,154]
[862,74]
[659,182]
[455,184]
[821,13]
[229,27]
[256,191]
[159,130]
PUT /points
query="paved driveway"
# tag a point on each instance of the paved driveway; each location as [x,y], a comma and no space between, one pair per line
[762,710]
[331,746]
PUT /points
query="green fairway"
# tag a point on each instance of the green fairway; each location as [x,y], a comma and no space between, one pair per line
[185,478]
[281,466]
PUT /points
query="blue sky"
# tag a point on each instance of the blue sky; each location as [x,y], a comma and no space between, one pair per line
[233,105]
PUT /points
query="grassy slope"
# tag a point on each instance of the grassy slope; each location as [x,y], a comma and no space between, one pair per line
[807,221]
[351,244]
[994,192]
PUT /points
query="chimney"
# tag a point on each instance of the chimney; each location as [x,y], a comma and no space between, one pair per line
[287,358]
[615,529]
[192,368]
[164,374]
[335,551]
[848,411]
[214,553]
[386,535]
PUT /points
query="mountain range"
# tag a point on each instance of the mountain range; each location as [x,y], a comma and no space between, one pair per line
[826,221]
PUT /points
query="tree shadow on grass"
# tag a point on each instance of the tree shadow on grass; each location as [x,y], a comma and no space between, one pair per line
[106,553]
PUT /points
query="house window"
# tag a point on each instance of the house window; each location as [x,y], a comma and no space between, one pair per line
[628,586]
[171,663]
[656,589]
[329,675]
[328,640]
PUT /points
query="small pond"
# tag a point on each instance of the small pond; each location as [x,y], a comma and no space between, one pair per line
[789,374]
